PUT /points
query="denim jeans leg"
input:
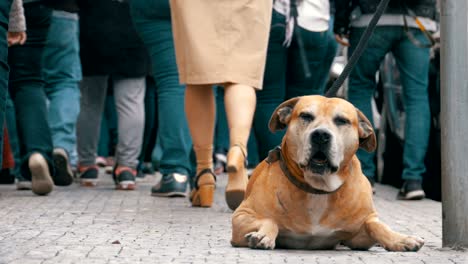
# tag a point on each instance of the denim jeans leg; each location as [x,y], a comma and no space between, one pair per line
[62,73]
[173,138]
[362,81]
[151,121]
[315,49]
[274,88]
[27,88]
[413,65]
[4,15]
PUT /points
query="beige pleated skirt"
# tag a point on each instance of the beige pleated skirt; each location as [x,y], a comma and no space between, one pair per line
[221,41]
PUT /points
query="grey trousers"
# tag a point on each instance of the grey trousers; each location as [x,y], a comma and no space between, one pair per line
[129,96]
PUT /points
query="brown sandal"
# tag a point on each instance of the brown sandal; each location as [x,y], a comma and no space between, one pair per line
[236,170]
[203,193]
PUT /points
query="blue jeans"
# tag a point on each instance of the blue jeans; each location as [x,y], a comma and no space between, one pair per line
[27,88]
[62,73]
[413,65]
[4,15]
[153,23]
[285,77]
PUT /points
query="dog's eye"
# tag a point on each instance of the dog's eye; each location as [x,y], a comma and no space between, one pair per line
[341,121]
[307,117]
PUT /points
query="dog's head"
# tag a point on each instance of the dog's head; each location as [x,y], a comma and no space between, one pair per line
[323,134]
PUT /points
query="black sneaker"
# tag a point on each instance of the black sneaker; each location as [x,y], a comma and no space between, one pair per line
[411,190]
[89,175]
[63,171]
[171,185]
[124,178]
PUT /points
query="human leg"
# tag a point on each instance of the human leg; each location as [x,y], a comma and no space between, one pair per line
[93,95]
[174,143]
[200,110]
[62,72]
[129,94]
[27,92]
[362,81]
[240,103]
[274,88]
[413,65]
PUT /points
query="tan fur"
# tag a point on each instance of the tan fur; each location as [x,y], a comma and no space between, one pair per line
[275,213]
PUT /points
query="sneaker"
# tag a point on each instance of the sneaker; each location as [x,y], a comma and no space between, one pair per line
[171,185]
[89,175]
[41,181]
[22,184]
[124,178]
[63,171]
[411,190]
[101,162]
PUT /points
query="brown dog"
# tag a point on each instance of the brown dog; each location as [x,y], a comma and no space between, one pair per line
[311,193]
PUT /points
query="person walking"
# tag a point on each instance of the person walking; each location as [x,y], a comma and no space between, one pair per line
[398,31]
[62,74]
[111,51]
[26,87]
[153,22]
[220,42]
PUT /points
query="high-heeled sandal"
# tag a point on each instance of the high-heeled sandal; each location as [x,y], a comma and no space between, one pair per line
[237,173]
[203,193]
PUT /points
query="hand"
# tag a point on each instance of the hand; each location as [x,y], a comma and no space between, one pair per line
[16,38]
[343,40]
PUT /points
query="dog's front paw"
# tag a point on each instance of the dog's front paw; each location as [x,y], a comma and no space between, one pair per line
[406,243]
[260,241]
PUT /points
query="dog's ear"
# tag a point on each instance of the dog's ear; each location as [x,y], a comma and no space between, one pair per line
[367,139]
[282,114]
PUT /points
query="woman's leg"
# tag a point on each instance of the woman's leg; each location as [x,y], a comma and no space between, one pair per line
[240,103]
[200,111]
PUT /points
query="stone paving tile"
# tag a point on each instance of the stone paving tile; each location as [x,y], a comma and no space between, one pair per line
[101,225]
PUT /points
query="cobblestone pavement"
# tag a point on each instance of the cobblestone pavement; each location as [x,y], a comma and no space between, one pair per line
[101,225]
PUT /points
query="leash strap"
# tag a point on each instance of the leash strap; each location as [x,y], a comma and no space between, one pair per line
[359,49]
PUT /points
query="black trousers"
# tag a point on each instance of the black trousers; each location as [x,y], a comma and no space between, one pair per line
[27,88]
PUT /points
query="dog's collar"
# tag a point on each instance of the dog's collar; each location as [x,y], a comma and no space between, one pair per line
[277,155]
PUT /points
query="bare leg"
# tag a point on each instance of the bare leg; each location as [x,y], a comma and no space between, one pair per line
[240,103]
[200,111]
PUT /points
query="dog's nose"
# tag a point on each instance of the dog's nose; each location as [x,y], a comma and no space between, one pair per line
[320,137]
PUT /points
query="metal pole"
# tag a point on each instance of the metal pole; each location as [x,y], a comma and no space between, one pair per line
[454,113]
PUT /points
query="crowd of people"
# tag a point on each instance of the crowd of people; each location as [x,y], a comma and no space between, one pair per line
[187,88]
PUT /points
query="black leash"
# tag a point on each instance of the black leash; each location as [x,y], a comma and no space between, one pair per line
[359,50]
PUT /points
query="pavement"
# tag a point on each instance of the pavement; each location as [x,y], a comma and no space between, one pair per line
[102,225]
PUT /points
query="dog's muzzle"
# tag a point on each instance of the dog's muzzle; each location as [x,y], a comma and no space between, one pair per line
[319,160]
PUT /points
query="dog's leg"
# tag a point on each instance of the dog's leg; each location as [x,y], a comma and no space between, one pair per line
[248,231]
[361,241]
[390,240]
